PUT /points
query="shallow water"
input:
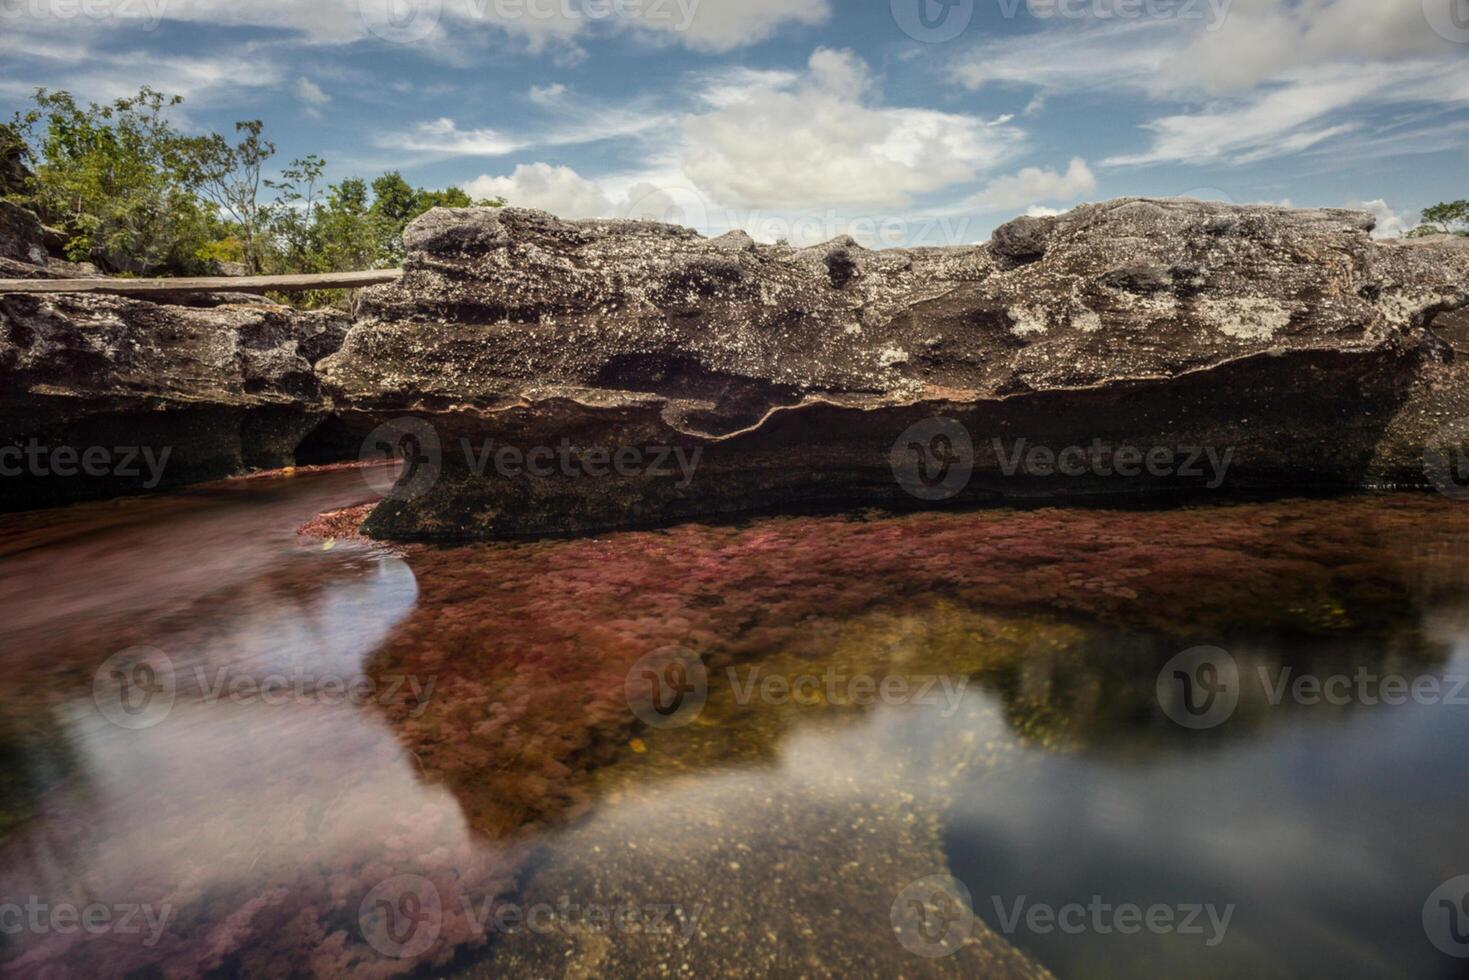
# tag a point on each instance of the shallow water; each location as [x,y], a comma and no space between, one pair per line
[263,755]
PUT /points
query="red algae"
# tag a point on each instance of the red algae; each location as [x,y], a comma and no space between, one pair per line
[337,525]
[530,645]
[533,642]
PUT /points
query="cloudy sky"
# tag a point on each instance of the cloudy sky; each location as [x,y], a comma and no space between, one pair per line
[898,121]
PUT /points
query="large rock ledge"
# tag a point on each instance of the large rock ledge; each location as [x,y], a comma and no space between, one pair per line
[559,377]
[157,395]
[1290,345]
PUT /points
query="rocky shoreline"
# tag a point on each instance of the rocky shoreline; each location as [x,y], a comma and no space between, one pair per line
[552,377]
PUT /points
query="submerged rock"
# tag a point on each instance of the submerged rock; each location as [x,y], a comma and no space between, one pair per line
[550,376]
[101,395]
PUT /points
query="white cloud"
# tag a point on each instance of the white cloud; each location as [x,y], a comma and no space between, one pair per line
[547,95]
[804,156]
[560,190]
[570,121]
[1033,185]
[104,76]
[1273,78]
[444,138]
[1291,115]
[704,25]
[1260,39]
[309,92]
[1390,223]
[1066,59]
[722,25]
[821,139]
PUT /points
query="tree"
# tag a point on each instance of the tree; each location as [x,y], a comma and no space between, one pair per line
[395,200]
[116,178]
[296,214]
[230,177]
[133,194]
[349,234]
[1445,219]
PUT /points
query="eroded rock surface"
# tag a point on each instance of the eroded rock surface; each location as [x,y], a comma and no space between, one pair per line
[158,395]
[1288,342]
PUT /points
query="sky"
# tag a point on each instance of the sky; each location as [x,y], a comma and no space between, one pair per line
[899,122]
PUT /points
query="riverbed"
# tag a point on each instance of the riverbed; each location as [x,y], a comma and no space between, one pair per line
[1190,741]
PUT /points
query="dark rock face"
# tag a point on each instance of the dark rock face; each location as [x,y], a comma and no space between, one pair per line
[22,239]
[554,377]
[642,374]
[104,395]
[13,171]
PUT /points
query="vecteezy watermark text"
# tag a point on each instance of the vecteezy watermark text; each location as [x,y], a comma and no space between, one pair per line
[669,688]
[137,688]
[408,21]
[937,21]
[1105,460]
[513,462]
[127,462]
[1103,918]
[1202,687]
[402,916]
[95,918]
[148,12]
[934,460]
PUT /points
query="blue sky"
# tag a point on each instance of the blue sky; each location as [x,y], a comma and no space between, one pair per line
[896,121]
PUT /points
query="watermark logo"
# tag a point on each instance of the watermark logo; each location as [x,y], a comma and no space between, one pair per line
[1202,463]
[96,919]
[1446,917]
[1104,918]
[933,459]
[567,917]
[595,462]
[135,688]
[1199,688]
[401,917]
[673,204]
[1212,12]
[834,687]
[933,21]
[148,13]
[1365,687]
[1446,459]
[1448,18]
[413,442]
[667,688]
[933,917]
[121,462]
[400,21]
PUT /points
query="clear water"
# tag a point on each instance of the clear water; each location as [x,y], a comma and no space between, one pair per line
[490,753]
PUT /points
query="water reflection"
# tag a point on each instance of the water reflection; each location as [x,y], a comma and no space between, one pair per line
[1326,831]
[488,763]
[237,826]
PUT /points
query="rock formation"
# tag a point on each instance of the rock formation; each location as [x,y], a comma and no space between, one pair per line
[219,391]
[576,376]
[550,377]
[22,243]
[13,170]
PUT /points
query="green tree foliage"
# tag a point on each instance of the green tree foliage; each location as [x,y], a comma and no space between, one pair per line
[116,178]
[1451,218]
[395,200]
[136,195]
[231,176]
